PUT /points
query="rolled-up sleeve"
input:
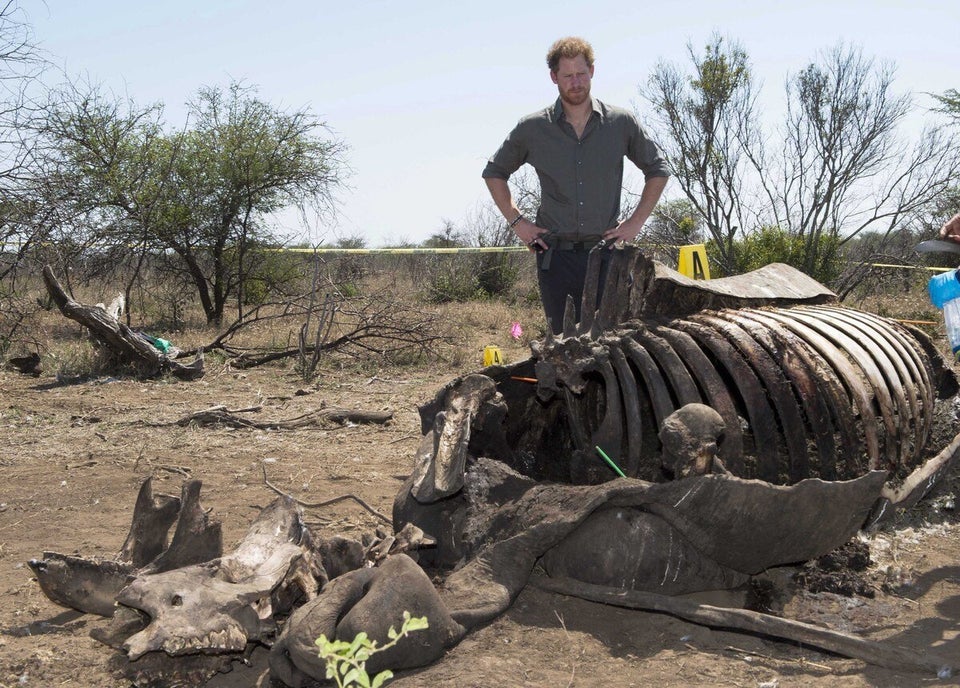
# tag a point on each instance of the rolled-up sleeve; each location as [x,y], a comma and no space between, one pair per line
[643,152]
[511,155]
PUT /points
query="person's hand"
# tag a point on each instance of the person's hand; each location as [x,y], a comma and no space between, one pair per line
[530,234]
[951,229]
[625,231]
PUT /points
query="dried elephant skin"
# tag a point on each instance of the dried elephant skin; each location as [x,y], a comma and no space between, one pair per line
[688,535]
[738,527]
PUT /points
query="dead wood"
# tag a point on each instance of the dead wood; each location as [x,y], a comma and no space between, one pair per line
[127,345]
[329,502]
[221,416]
[845,644]
[374,325]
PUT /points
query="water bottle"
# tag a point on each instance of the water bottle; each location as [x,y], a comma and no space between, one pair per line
[945,293]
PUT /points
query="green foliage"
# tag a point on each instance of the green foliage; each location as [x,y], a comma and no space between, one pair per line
[775,245]
[355,241]
[497,273]
[346,661]
[838,165]
[721,72]
[452,281]
[950,102]
[266,271]
[463,277]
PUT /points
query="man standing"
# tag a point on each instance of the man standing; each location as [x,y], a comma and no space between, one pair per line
[577,148]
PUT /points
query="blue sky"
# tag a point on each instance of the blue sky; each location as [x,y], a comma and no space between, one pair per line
[424,92]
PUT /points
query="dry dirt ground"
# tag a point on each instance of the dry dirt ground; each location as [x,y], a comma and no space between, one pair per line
[74,455]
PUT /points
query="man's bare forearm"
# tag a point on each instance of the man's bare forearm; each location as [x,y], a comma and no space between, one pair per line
[525,230]
[649,196]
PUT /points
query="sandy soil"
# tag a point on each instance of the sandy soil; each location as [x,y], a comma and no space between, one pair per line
[74,455]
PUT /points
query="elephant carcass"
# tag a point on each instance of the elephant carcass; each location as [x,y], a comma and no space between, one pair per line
[698,533]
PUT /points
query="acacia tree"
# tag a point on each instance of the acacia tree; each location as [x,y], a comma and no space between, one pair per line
[241,161]
[205,193]
[950,103]
[707,119]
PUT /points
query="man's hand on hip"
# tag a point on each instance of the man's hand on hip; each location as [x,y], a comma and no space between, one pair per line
[625,231]
[530,234]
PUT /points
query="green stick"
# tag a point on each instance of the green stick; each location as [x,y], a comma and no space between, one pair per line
[610,463]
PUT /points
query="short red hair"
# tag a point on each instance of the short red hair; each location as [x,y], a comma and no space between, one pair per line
[569,47]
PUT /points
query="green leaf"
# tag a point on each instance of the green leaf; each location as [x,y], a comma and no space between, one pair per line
[416,623]
[354,677]
[380,678]
[358,641]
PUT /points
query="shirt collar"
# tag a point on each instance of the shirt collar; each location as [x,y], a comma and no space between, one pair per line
[559,116]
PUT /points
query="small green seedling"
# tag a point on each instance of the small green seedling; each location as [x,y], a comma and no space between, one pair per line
[346,661]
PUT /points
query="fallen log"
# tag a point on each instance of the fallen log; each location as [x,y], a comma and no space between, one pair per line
[221,415]
[126,344]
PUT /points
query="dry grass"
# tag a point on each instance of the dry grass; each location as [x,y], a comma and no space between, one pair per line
[460,329]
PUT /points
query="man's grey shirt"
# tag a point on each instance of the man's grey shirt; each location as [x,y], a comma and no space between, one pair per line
[580,179]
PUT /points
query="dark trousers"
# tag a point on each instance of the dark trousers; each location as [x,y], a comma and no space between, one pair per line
[566,276]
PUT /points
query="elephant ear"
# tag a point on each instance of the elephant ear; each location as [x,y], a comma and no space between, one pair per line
[751,525]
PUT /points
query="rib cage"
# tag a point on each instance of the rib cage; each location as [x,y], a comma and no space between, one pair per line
[807,391]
